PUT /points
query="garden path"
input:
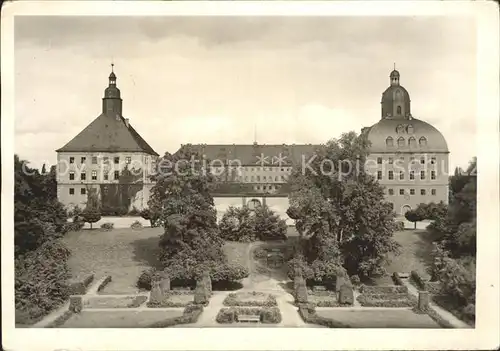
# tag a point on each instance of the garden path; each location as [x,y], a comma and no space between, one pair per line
[457,323]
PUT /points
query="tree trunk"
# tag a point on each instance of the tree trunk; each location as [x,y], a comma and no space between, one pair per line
[415,225]
[90,225]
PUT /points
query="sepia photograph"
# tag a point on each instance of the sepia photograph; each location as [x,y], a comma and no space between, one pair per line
[207,170]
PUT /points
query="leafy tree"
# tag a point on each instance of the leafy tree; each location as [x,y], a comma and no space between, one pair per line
[238,224]
[40,257]
[44,170]
[414,216]
[191,243]
[268,225]
[91,216]
[152,217]
[339,210]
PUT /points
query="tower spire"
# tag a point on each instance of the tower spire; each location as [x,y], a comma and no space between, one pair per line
[394,65]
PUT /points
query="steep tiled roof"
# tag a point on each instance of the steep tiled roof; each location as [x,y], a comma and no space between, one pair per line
[108,134]
[252,154]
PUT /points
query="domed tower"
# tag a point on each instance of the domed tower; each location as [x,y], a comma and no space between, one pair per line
[395,99]
[408,156]
[112,102]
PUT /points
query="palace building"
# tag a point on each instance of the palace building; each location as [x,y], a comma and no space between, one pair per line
[253,174]
[407,155]
[110,162]
[107,159]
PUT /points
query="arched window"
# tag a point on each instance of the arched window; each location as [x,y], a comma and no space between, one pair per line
[410,129]
[399,110]
[412,142]
[401,142]
[253,204]
[389,141]
[422,141]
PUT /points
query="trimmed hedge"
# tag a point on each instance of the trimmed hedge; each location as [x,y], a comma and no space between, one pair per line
[417,279]
[389,289]
[107,226]
[105,282]
[136,225]
[268,315]
[60,320]
[308,314]
[79,287]
[190,315]
[369,301]
[397,279]
[232,300]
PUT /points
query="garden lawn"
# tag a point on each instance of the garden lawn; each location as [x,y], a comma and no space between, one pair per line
[121,253]
[120,319]
[385,318]
[416,249]
[237,252]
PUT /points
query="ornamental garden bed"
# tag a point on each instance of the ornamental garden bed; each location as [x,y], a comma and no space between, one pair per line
[250,299]
[174,299]
[267,315]
[386,296]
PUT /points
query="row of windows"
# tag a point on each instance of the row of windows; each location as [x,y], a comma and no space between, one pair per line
[266,187]
[401,175]
[412,191]
[402,142]
[273,169]
[116,160]
[83,191]
[93,175]
[402,158]
[264,178]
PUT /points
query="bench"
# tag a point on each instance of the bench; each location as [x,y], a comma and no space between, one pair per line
[252,318]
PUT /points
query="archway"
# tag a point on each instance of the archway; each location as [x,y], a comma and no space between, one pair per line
[405,209]
[253,204]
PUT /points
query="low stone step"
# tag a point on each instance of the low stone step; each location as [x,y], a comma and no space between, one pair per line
[249,318]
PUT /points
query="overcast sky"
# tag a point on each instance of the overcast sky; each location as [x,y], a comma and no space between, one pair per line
[212,80]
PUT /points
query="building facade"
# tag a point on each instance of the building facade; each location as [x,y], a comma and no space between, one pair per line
[108,161]
[253,174]
[407,155]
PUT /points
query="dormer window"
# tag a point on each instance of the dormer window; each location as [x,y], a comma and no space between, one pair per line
[410,129]
[422,141]
[400,129]
[401,142]
[389,141]
[412,142]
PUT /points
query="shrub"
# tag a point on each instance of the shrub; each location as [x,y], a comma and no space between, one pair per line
[260,253]
[300,290]
[369,301]
[229,272]
[150,216]
[270,315]
[469,313]
[136,225]
[308,314]
[232,300]
[226,315]
[201,293]
[41,279]
[79,287]
[268,225]
[107,226]
[397,279]
[74,226]
[415,277]
[389,289]
[237,224]
[400,226]
[145,279]
[91,216]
